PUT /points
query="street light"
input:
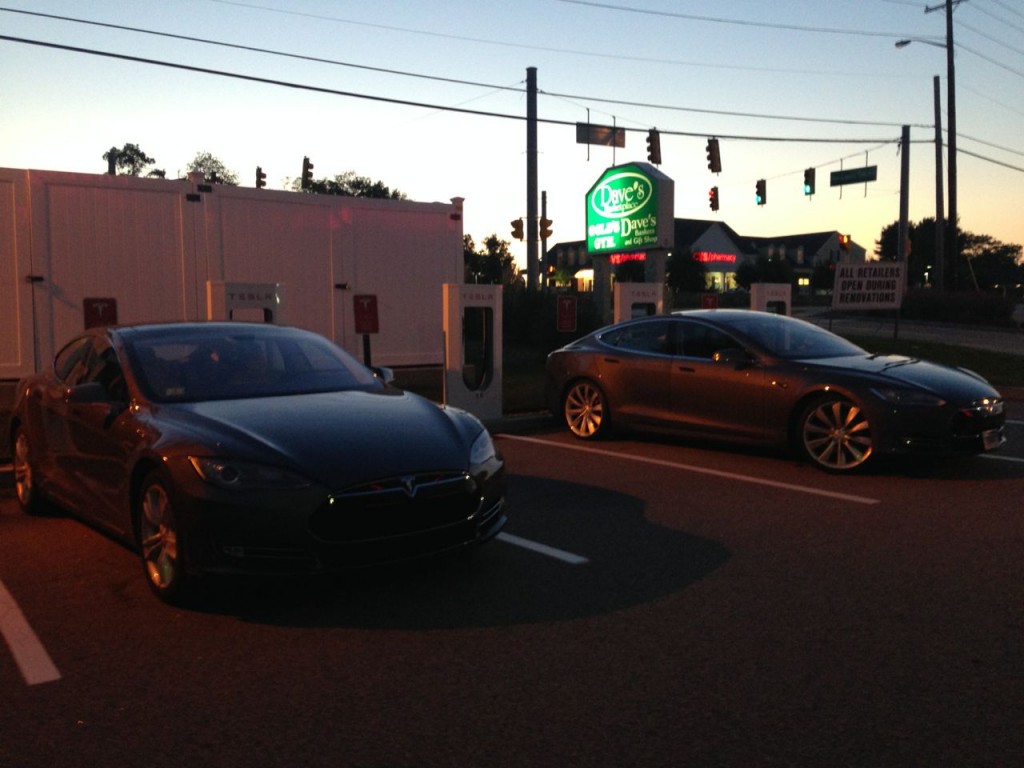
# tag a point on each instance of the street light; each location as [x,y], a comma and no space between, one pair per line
[952,249]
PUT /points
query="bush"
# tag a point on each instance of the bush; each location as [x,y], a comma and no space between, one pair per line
[974,307]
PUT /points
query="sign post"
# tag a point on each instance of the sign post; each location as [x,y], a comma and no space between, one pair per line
[367,320]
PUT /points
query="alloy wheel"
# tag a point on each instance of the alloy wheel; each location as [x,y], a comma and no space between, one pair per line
[585,410]
[836,435]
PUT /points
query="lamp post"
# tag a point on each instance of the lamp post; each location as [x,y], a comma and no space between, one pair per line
[952,241]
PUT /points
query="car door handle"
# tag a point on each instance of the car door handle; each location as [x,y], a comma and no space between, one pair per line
[686,369]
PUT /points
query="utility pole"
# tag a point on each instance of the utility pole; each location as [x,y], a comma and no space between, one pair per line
[952,240]
[904,228]
[939,280]
[532,264]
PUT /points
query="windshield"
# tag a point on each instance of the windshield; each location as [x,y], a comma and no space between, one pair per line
[195,365]
[792,339]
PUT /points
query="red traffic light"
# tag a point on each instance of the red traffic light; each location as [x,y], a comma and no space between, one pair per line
[713,198]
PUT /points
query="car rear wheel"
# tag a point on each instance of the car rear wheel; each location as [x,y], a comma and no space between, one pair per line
[835,434]
[25,476]
[161,541]
[586,410]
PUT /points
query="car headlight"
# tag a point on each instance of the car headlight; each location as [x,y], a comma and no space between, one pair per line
[483,449]
[245,475]
[908,397]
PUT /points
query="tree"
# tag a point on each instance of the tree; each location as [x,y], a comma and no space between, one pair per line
[213,170]
[684,274]
[493,263]
[348,184]
[129,160]
[983,264]
[992,265]
[765,269]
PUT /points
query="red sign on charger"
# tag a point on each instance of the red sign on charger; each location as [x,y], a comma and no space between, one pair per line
[566,314]
[366,317]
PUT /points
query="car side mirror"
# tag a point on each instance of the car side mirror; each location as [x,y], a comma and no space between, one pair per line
[384,374]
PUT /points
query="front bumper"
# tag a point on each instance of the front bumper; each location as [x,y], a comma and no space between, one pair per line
[957,430]
[314,531]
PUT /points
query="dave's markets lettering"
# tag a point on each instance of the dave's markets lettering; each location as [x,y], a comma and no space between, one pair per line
[623,194]
[607,233]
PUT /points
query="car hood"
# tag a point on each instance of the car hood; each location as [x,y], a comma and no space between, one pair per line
[333,438]
[955,384]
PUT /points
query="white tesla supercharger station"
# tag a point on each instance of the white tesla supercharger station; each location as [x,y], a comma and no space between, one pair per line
[634,300]
[772,297]
[472,348]
[256,302]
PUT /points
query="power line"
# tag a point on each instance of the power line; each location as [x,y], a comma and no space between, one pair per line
[384,99]
[425,105]
[335,62]
[736,22]
[392,28]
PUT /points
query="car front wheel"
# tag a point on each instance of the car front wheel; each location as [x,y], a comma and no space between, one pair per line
[26,479]
[161,541]
[835,434]
[586,410]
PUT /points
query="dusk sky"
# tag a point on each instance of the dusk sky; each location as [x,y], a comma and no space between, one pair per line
[429,98]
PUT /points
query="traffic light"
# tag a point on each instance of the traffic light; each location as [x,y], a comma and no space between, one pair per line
[761,194]
[307,173]
[713,198]
[714,156]
[844,243]
[261,178]
[545,228]
[654,146]
[517,229]
[809,181]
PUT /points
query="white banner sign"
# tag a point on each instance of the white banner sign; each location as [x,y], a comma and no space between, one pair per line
[874,285]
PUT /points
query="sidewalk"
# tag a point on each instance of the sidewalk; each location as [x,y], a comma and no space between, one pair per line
[1009,340]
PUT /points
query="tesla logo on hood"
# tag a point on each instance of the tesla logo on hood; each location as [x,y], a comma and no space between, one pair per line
[409,485]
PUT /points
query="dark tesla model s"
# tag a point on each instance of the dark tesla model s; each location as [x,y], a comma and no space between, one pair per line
[762,378]
[248,448]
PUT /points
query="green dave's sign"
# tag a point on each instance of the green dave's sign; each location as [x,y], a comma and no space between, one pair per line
[630,208]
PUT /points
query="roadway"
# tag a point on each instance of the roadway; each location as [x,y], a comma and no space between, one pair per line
[651,603]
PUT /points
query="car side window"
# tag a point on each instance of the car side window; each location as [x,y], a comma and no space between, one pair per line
[70,363]
[697,340]
[105,368]
[651,336]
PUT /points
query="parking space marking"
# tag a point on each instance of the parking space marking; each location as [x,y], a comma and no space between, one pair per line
[544,549]
[699,470]
[29,654]
[996,457]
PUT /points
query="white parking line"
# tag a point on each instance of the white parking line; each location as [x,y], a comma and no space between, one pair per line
[700,470]
[544,549]
[996,457]
[29,654]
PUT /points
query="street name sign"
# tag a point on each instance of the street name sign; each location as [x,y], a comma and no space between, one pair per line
[854,176]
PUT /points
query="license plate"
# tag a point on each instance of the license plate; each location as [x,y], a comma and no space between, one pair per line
[992,439]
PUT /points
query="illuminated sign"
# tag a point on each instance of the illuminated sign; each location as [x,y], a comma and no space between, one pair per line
[622,258]
[630,208]
[706,257]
